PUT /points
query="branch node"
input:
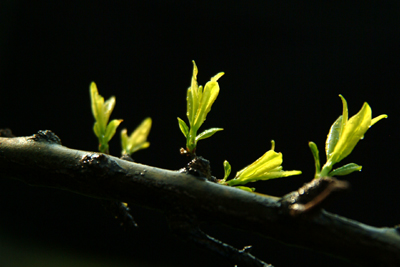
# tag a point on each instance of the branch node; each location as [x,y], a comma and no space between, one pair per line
[46,136]
[199,167]
[313,196]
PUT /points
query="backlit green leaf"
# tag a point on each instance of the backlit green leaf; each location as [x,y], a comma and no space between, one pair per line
[376,119]
[268,161]
[333,136]
[315,152]
[184,128]
[346,169]
[111,129]
[227,170]
[97,131]
[245,188]
[97,100]
[210,93]
[345,114]
[108,108]
[353,131]
[193,96]
[207,133]
[138,139]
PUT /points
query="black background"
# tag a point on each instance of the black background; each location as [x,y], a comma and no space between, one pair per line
[285,63]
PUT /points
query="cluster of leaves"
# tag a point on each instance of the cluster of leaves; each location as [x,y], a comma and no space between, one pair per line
[199,101]
[199,104]
[343,136]
[105,130]
[265,168]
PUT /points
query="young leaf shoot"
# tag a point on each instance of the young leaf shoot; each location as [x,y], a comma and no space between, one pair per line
[265,168]
[101,112]
[137,140]
[343,136]
[199,102]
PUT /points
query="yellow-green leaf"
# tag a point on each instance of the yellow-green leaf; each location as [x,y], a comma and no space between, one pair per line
[268,161]
[207,133]
[193,96]
[353,131]
[96,100]
[210,93]
[315,153]
[346,169]
[107,109]
[333,136]
[278,174]
[245,188]
[110,130]
[124,141]
[97,131]
[183,126]
[140,134]
[227,170]
[262,177]
[138,139]
[376,119]
[217,76]
[190,111]
[345,115]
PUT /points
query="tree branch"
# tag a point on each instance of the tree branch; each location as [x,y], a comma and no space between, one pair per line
[41,160]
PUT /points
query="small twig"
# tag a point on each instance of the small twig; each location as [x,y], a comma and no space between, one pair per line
[121,212]
[313,196]
[188,229]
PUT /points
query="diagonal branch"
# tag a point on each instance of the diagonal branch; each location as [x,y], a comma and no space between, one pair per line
[187,228]
[41,160]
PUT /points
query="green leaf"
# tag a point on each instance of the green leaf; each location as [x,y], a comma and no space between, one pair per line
[376,119]
[184,128]
[97,100]
[266,167]
[315,152]
[266,162]
[217,76]
[207,133]
[345,114]
[199,102]
[101,111]
[227,170]
[139,146]
[333,136]
[111,129]
[262,177]
[97,131]
[138,138]
[245,188]
[278,174]
[190,111]
[193,96]
[210,93]
[344,170]
[353,131]
[108,107]
[124,141]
